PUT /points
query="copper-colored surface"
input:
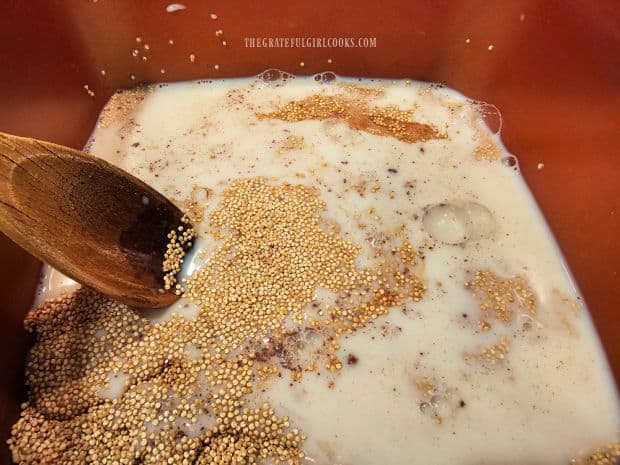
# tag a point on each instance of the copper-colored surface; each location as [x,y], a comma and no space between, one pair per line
[554,71]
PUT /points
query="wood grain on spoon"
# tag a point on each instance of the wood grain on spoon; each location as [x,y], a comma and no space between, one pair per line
[87,218]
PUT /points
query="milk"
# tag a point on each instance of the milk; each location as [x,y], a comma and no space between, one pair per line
[550,398]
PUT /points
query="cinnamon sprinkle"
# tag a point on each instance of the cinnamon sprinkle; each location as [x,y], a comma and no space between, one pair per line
[382,121]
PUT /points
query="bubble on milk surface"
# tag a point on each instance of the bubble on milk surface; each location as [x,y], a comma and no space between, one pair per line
[275,77]
[511,162]
[457,222]
[490,115]
[326,77]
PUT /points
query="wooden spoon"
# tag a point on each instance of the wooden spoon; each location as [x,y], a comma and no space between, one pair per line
[92,221]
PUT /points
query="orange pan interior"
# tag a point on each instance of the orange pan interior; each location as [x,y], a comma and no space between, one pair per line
[553,70]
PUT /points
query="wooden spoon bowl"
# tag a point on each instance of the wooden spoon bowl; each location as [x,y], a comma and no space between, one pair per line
[87,218]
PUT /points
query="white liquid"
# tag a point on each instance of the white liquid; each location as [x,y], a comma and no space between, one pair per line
[116,385]
[553,396]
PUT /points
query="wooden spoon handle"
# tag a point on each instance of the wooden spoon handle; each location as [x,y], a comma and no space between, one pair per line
[15,154]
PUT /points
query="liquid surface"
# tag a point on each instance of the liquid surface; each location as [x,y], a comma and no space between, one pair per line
[492,359]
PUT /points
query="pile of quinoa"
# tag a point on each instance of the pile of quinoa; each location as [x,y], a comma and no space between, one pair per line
[189,384]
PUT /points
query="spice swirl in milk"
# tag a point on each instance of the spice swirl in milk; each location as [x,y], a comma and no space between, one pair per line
[371,283]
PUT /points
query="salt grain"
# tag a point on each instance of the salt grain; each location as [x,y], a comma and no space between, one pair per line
[88,91]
